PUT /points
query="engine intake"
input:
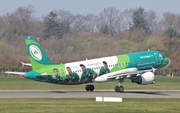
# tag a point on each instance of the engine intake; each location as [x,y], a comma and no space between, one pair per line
[145,78]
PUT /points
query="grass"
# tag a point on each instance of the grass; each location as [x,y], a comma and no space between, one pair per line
[18,83]
[89,106]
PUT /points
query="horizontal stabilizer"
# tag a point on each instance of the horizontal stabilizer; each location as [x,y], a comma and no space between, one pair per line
[15,73]
[25,64]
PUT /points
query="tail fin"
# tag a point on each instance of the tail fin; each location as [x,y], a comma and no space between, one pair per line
[38,57]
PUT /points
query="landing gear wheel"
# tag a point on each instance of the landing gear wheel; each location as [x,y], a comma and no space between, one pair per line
[89,87]
[119,89]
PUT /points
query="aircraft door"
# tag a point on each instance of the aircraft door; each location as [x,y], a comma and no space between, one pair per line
[62,72]
[158,60]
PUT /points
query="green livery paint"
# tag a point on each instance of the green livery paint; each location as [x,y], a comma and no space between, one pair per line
[72,73]
[38,57]
[88,75]
[123,62]
[41,63]
[103,70]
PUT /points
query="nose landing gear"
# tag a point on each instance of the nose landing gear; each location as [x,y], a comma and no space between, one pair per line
[119,88]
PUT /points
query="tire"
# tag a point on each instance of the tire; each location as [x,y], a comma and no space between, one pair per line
[117,89]
[91,87]
[121,89]
[87,87]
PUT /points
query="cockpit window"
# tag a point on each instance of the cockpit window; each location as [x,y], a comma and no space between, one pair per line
[162,55]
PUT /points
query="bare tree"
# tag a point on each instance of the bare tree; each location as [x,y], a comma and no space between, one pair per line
[91,20]
[79,23]
[152,21]
[21,22]
[3,24]
[111,17]
[171,20]
[85,23]
[25,17]
[10,25]
[64,15]
[126,16]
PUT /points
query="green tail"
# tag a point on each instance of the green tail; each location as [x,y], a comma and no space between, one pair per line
[38,57]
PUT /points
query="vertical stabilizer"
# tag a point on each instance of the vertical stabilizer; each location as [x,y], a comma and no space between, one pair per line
[37,55]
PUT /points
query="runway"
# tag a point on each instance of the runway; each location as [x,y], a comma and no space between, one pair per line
[85,94]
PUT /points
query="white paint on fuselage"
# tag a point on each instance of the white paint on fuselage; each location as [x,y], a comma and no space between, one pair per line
[94,64]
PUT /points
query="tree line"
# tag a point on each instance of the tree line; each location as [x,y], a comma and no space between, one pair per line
[110,21]
[80,36]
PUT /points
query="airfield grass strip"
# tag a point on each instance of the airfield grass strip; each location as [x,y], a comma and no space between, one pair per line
[89,106]
[18,83]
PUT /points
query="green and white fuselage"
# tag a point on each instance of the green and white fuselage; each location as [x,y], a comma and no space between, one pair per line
[42,65]
[138,66]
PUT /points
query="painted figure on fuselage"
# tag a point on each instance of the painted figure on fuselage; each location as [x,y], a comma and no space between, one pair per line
[87,74]
[104,69]
[71,77]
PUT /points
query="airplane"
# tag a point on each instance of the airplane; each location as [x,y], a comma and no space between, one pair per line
[139,67]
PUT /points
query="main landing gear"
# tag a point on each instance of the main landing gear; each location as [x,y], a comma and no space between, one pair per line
[119,88]
[89,87]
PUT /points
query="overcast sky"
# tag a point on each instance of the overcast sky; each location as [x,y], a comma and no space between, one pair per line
[43,7]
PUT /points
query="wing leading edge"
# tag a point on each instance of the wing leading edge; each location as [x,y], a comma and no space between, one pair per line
[121,74]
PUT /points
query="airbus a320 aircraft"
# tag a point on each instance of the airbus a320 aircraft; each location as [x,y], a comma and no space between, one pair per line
[139,67]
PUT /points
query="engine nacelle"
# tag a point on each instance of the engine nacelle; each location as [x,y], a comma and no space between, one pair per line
[145,78]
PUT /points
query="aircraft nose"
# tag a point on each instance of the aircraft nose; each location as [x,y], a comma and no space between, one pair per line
[166,63]
[169,62]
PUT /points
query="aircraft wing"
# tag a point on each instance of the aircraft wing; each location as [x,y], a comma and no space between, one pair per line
[125,73]
[128,74]
[15,73]
[122,73]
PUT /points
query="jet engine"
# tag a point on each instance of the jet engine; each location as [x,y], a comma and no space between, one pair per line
[145,78]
